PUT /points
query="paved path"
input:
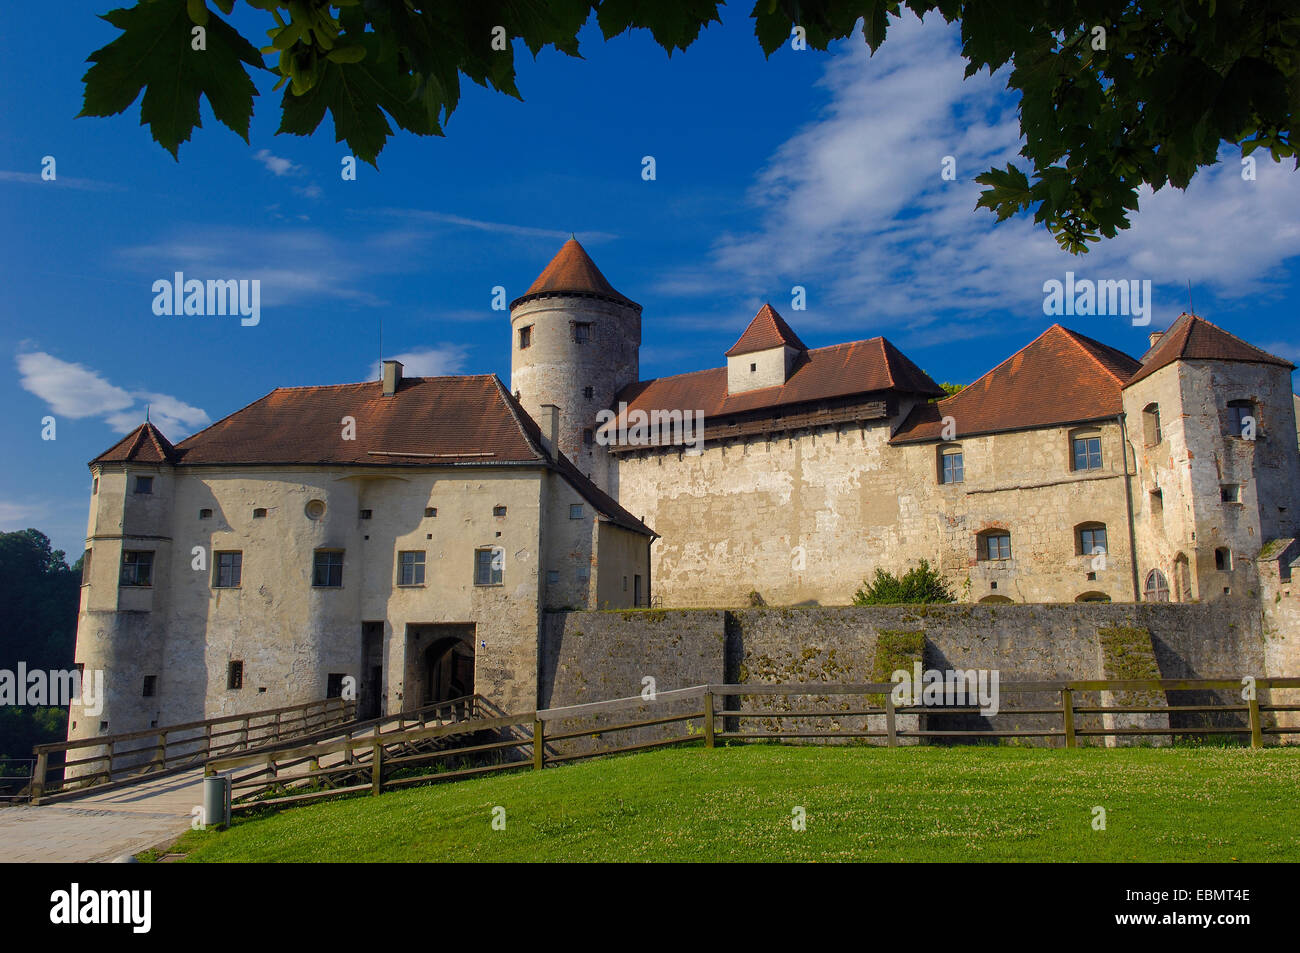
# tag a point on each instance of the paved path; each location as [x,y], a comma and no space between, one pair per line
[101,827]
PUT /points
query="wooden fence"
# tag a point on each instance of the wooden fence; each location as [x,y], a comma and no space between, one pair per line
[508,742]
[128,756]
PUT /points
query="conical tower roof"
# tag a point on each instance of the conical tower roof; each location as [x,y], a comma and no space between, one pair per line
[572,272]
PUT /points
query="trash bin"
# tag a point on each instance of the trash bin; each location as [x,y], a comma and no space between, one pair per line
[216,801]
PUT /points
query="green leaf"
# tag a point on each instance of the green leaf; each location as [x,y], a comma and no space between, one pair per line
[154,53]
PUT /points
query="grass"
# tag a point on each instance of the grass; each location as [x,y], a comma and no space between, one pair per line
[861,803]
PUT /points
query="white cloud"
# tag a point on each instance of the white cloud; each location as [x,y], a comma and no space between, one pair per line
[427,362]
[276,164]
[76,391]
[68,182]
[853,207]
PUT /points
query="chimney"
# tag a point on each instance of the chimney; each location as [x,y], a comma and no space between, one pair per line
[392,377]
[550,424]
[1153,337]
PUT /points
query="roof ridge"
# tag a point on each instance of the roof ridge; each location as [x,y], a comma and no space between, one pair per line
[1079,339]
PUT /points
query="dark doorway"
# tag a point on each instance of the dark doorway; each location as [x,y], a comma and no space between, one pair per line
[370,699]
[439,663]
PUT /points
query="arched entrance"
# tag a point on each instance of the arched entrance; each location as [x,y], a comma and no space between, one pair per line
[448,670]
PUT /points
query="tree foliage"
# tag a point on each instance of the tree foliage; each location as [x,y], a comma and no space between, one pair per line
[920,584]
[1113,94]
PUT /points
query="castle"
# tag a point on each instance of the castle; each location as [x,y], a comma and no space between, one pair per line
[411,535]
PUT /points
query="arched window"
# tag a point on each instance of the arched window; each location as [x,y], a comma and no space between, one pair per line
[1092,597]
[952,467]
[1243,419]
[1151,432]
[1090,539]
[994,544]
[1156,588]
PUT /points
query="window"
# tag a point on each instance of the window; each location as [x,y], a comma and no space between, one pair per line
[327,573]
[1230,493]
[431,511]
[1242,420]
[94,487]
[1157,503]
[581,332]
[150,686]
[498,511]
[259,513]
[234,676]
[144,484]
[410,568]
[526,337]
[314,509]
[1156,588]
[753,368]
[625,583]
[367,514]
[636,590]
[575,511]
[137,568]
[1091,539]
[995,546]
[588,437]
[228,570]
[1223,559]
[1151,432]
[952,469]
[488,564]
[205,514]
[1087,452]
[552,577]
[85,568]
[334,684]
[588,392]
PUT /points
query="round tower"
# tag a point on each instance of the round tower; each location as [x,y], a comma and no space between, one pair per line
[575,343]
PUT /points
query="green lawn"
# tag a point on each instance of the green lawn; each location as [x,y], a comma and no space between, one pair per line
[878,804]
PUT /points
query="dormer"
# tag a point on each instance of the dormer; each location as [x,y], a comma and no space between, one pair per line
[764,355]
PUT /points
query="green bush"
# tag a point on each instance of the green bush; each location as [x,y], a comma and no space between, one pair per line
[920,584]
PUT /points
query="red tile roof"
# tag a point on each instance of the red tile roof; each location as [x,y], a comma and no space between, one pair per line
[144,444]
[1192,338]
[1061,377]
[842,370]
[429,421]
[572,271]
[766,331]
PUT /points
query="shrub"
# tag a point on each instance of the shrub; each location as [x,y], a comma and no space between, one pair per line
[919,584]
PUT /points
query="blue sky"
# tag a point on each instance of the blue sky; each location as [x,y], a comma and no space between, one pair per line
[812,169]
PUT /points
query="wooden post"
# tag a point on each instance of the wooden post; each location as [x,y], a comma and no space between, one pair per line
[377,768]
[1256,726]
[349,748]
[1067,714]
[891,724]
[708,718]
[243,735]
[108,763]
[38,775]
[161,759]
[539,745]
[277,726]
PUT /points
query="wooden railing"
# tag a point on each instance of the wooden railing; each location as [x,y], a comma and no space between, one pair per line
[535,739]
[127,757]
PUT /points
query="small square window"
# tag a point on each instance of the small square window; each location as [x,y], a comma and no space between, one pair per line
[552,577]
[498,511]
[431,511]
[94,487]
[410,568]
[234,676]
[367,514]
[589,392]
[334,684]
[85,568]
[144,484]
[581,332]
[137,568]
[753,368]
[150,686]
[205,514]
[526,337]
[575,511]
[259,513]
[588,437]
[1230,493]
